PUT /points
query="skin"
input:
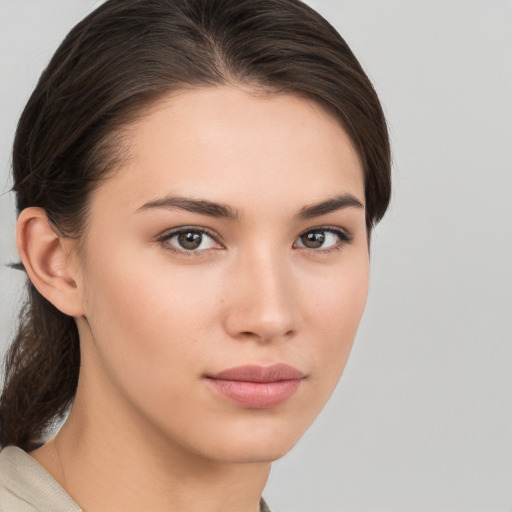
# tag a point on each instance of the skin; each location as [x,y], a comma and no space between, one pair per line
[154,319]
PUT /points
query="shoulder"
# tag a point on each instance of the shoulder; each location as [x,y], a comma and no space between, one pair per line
[25,486]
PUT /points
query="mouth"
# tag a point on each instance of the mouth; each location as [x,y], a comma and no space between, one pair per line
[257,387]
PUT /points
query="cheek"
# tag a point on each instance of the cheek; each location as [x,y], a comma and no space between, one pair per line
[334,314]
[149,321]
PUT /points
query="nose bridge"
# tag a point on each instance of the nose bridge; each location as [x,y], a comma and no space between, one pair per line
[262,304]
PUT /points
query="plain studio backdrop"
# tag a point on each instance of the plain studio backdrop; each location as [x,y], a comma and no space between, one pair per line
[422,418]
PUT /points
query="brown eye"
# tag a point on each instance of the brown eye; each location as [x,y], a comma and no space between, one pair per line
[324,239]
[313,239]
[190,240]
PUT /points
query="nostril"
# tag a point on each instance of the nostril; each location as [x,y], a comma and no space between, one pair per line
[265,337]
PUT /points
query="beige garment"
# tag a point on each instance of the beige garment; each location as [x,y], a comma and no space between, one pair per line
[25,486]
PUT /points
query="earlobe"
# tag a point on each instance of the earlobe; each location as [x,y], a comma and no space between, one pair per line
[48,261]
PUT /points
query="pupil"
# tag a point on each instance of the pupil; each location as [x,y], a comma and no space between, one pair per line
[313,240]
[190,240]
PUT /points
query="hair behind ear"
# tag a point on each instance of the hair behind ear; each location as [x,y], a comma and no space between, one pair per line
[41,372]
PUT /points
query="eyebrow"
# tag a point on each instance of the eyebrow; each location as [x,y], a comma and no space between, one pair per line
[219,210]
[200,206]
[331,205]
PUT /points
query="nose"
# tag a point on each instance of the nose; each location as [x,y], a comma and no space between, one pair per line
[261,302]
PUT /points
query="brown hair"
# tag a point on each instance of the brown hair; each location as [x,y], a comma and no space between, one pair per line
[110,68]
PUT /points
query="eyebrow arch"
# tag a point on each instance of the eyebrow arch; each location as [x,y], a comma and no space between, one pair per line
[331,205]
[200,206]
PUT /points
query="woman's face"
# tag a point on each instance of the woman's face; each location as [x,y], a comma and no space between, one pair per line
[225,272]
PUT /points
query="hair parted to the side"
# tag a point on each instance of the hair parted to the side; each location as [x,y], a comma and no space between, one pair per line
[111,67]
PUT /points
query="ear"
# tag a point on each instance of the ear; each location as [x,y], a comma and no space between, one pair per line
[49,261]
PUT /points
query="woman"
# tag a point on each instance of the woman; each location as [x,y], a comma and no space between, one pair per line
[196,182]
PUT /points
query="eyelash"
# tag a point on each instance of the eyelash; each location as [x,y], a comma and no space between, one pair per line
[343,238]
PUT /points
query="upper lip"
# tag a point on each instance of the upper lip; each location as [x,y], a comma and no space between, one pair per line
[256,373]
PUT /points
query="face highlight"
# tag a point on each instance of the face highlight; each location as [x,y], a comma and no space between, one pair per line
[225,272]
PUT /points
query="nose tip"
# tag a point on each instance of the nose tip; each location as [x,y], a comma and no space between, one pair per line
[265,328]
[262,305]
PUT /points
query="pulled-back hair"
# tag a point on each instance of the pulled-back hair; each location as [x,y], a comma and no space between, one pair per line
[109,70]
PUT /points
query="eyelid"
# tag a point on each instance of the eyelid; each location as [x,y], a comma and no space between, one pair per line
[189,227]
[345,233]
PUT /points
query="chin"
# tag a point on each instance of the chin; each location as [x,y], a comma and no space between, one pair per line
[261,442]
[253,454]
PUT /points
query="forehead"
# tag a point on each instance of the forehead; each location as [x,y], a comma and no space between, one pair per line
[229,145]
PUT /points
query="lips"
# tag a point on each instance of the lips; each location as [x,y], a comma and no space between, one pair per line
[257,387]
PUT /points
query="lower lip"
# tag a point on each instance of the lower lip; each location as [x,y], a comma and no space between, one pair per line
[256,395]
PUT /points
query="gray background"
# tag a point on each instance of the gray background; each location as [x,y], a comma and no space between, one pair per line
[422,419]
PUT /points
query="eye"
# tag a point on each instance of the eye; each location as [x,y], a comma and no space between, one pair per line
[187,240]
[324,239]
